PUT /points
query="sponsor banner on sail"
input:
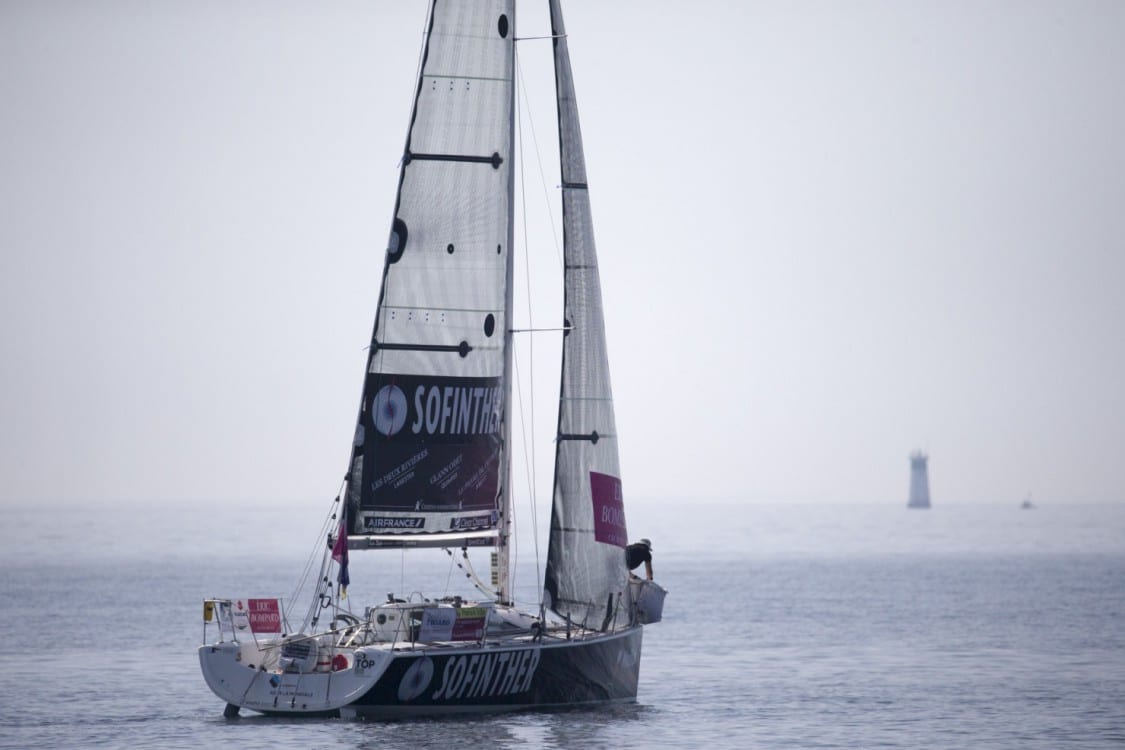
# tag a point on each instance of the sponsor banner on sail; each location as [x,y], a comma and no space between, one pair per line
[390,524]
[429,445]
[477,522]
[609,510]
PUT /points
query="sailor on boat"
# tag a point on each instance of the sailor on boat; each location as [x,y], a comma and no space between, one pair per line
[637,553]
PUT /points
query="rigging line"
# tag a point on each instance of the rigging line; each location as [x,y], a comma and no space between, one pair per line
[449,575]
[372,351]
[421,55]
[303,579]
[530,475]
[471,574]
[316,601]
[539,163]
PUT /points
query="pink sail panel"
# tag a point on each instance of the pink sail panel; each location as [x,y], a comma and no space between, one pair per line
[609,510]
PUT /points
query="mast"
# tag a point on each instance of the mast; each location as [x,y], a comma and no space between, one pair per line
[503,552]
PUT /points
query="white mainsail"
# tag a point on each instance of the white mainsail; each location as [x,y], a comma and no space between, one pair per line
[429,463]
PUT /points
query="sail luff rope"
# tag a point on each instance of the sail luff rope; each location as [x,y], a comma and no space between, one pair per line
[470,573]
[313,615]
[449,575]
[530,480]
[367,367]
[539,163]
[303,579]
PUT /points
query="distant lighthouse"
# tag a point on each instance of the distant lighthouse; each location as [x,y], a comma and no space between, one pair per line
[919,481]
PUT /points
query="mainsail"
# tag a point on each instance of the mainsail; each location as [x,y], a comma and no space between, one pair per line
[429,460]
[585,573]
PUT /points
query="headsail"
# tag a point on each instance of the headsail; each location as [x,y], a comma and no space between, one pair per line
[429,461]
[585,575]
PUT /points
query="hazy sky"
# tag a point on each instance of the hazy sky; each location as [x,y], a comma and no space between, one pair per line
[830,233]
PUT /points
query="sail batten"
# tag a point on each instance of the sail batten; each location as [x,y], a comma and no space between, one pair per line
[494,159]
[440,76]
[470,539]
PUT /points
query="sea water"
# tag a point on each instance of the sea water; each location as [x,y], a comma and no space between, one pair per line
[786,626]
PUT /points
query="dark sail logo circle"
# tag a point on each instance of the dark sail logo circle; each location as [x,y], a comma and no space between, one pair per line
[388,410]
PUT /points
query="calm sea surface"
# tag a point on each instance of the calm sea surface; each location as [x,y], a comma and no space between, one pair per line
[799,626]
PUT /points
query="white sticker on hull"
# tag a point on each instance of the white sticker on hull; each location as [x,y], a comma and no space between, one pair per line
[363,662]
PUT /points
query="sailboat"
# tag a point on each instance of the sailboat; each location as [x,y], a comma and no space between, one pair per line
[429,468]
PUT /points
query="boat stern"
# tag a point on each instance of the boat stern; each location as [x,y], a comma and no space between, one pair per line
[239,673]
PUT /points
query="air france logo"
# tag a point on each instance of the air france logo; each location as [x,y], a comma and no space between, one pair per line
[389,410]
[381,522]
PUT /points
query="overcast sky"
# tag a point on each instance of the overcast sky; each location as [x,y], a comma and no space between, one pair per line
[830,233]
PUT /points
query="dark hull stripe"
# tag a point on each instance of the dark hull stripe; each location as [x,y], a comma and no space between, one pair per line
[550,674]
